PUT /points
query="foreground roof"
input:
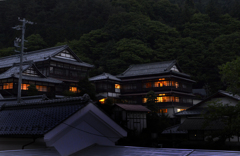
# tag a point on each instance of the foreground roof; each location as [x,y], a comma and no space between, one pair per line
[134,108]
[151,69]
[37,118]
[123,151]
[148,151]
[104,76]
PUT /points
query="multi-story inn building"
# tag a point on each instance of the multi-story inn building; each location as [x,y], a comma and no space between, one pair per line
[172,87]
[52,71]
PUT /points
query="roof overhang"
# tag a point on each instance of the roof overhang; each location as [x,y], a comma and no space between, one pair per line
[86,127]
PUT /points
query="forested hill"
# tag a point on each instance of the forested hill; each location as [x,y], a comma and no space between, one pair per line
[112,34]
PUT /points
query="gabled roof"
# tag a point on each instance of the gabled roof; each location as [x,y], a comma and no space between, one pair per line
[151,69]
[39,55]
[104,76]
[133,108]
[195,110]
[174,130]
[13,72]
[37,118]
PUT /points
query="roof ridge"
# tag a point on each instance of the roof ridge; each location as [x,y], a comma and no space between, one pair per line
[83,99]
[16,55]
[35,51]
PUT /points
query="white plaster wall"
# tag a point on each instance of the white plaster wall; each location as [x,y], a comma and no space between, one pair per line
[86,127]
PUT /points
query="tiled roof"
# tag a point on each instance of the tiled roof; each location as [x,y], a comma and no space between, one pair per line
[237,97]
[174,130]
[98,150]
[36,56]
[219,93]
[14,72]
[37,118]
[26,99]
[198,111]
[135,108]
[73,62]
[104,76]
[149,69]
[198,124]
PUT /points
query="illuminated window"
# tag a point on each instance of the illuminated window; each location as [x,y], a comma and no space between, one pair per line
[8,86]
[176,84]
[102,101]
[162,111]
[148,85]
[41,88]
[161,79]
[117,86]
[166,83]
[179,110]
[158,84]
[144,100]
[161,94]
[24,86]
[73,89]
[175,99]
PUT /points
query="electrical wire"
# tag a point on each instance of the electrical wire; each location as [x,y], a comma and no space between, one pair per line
[71,125]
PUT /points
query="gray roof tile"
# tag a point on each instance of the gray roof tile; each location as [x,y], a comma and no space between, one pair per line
[104,76]
[37,118]
[149,69]
[39,55]
[14,72]
[174,130]
[135,108]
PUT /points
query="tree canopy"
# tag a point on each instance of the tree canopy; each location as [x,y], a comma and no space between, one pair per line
[113,34]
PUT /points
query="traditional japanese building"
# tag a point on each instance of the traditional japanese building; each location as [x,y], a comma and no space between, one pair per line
[107,86]
[172,87]
[52,71]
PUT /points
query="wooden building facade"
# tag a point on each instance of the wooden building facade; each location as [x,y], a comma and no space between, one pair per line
[52,71]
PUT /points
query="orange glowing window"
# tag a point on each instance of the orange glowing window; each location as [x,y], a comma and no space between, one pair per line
[161,79]
[117,86]
[148,85]
[24,86]
[8,86]
[41,88]
[102,101]
[144,100]
[158,84]
[179,110]
[162,110]
[73,89]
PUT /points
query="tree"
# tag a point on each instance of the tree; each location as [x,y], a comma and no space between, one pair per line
[223,115]
[32,90]
[35,42]
[151,101]
[231,75]
[86,87]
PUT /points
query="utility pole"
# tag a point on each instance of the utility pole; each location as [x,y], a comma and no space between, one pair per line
[18,27]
